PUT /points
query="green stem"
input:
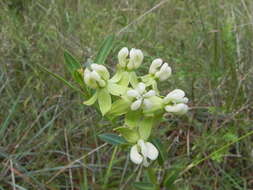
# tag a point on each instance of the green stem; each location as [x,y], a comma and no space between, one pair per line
[109,169]
[194,164]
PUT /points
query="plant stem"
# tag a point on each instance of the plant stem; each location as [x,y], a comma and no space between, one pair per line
[109,169]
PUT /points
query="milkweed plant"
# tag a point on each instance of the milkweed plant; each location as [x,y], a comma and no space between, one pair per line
[134,98]
[124,96]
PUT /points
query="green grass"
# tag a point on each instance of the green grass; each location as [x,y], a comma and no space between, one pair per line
[50,139]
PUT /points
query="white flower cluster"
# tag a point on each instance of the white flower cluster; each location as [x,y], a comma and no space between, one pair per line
[136,97]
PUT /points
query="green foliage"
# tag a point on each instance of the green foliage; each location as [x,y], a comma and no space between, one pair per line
[112,139]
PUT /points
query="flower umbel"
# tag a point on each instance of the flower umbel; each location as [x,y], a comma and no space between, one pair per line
[142,151]
[141,97]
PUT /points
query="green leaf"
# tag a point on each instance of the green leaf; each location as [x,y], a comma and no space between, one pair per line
[152,175]
[92,99]
[133,79]
[105,49]
[71,63]
[129,134]
[112,139]
[125,78]
[145,127]
[133,118]
[162,152]
[144,186]
[116,89]
[116,78]
[104,100]
[119,107]
[171,177]
[60,78]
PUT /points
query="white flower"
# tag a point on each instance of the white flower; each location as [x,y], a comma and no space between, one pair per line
[96,76]
[141,97]
[133,62]
[178,109]
[122,56]
[161,74]
[176,96]
[176,102]
[140,152]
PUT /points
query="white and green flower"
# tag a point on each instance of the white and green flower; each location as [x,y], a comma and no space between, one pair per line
[130,60]
[175,102]
[141,97]
[142,151]
[161,71]
[96,76]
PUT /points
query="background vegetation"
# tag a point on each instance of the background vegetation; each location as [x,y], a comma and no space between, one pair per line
[44,127]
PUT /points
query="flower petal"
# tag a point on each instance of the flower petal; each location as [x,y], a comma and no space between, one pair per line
[141,87]
[144,150]
[152,151]
[133,93]
[101,70]
[136,57]
[155,65]
[136,105]
[150,93]
[176,95]
[177,109]
[135,156]
[122,56]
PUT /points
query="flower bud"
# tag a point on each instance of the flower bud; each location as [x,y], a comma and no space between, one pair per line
[164,72]
[136,58]
[122,56]
[155,65]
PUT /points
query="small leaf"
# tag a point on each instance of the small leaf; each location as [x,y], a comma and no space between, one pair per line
[71,63]
[129,134]
[116,89]
[116,78]
[171,177]
[145,127]
[112,139]
[91,100]
[125,78]
[105,49]
[104,100]
[60,78]
[160,147]
[133,118]
[119,107]
[133,79]
[144,186]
